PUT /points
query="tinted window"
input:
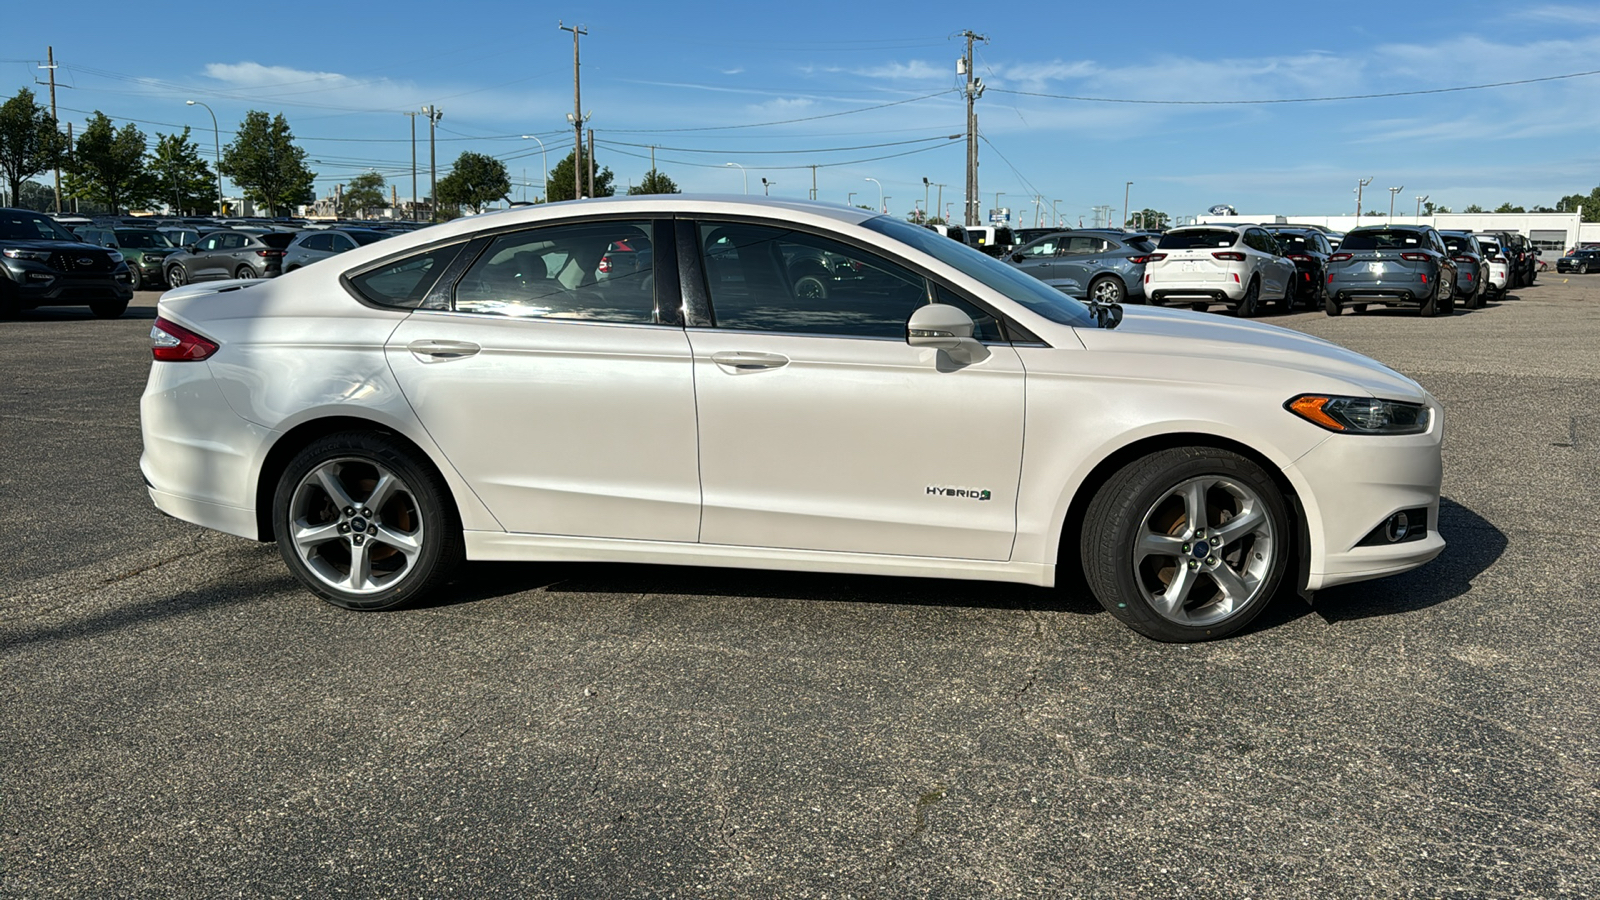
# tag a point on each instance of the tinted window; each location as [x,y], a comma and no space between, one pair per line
[1382,240]
[404,282]
[1079,245]
[1042,248]
[1196,240]
[1459,245]
[1141,244]
[768,278]
[317,242]
[276,240]
[364,238]
[558,272]
[139,239]
[20,225]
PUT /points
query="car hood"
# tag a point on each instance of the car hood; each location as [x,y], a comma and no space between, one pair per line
[65,246]
[1181,338]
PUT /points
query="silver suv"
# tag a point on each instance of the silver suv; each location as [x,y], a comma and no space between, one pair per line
[1233,264]
[1105,266]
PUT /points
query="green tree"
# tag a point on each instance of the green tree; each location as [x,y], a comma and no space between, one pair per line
[107,165]
[1590,203]
[363,194]
[1429,208]
[267,165]
[560,185]
[29,141]
[179,176]
[1474,208]
[475,181]
[1148,219]
[1508,208]
[654,183]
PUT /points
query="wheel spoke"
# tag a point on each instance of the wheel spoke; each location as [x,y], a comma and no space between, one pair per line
[409,545]
[360,567]
[335,489]
[1237,527]
[1170,601]
[1152,544]
[1194,504]
[1235,589]
[308,537]
[385,488]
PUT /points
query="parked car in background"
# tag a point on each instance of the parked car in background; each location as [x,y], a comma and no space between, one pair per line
[1233,264]
[229,254]
[1524,257]
[1308,249]
[426,399]
[994,240]
[1104,266]
[43,264]
[1579,261]
[1023,236]
[1499,278]
[182,236]
[954,232]
[1396,265]
[145,249]
[1472,268]
[310,246]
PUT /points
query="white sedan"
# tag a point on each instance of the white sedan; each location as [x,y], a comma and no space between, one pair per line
[780,385]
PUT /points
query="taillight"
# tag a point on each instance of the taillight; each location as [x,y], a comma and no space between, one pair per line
[1148,257]
[1341,257]
[271,252]
[1414,257]
[605,265]
[1466,259]
[174,343]
[1299,257]
[1230,256]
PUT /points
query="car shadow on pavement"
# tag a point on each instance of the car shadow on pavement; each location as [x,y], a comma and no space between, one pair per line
[1473,545]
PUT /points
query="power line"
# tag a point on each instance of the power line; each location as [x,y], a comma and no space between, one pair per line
[724,151]
[1417,93]
[831,115]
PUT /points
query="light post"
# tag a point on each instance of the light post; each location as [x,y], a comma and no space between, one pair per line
[997,195]
[1127,211]
[1421,200]
[925,195]
[743,172]
[881,207]
[850,199]
[545,181]
[939,203]
[216,141]
[1392,192]
[1055,212]
[434,114]
[766,187]
[886,205]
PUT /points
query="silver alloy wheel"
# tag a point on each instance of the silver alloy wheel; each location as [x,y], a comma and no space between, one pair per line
[1106,290]
[1204,551]
[245,272]
[358,546]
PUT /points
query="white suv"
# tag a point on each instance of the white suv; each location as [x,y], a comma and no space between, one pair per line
[1205,264]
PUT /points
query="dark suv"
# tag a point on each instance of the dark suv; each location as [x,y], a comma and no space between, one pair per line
[1396,265]
[1309,249]
[42,264]
[229,254]
[145,250]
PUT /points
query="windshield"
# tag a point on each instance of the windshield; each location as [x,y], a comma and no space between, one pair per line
[1381,240]
[277,239]
[20,225]
[1290,242]
[366,237]
[1459,245]
[1015,284]
[142,239]
[1200,238]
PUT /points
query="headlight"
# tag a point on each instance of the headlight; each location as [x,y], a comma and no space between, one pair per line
[116,256]
[1360,415]
[35,255]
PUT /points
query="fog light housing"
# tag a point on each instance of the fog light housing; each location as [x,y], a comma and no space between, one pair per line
[44,277]
[1402,527]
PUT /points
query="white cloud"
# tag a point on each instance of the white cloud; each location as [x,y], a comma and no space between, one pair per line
[915,70]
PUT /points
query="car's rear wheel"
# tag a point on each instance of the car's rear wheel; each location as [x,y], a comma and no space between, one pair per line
[1199,307]
[363,523]
[244,272]
[1583,268]
[1330,305]
[109,309]
[1107,289]
[1186,544]
[135,278]
[177,276]
[1250,306]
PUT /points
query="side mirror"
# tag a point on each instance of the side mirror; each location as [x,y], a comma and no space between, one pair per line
[944,327]
[1538,253]
[1016,257]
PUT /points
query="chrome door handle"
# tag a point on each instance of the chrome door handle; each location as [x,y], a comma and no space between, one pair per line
[442,351]
[746,361]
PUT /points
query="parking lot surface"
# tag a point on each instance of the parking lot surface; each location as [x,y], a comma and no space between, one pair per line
[181,719]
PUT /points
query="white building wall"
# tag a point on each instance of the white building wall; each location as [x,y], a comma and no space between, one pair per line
[1567,225]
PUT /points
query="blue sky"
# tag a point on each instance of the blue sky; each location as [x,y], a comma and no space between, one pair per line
[776,88]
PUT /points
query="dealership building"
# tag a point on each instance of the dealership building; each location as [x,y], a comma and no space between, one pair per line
[1557,232]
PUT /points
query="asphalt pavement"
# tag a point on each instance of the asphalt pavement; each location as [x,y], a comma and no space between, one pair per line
[182,720]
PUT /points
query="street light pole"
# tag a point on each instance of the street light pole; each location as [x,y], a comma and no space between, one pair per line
[434,114]
[1055,213]
[850,199]
[1127,211]
[1392,192]
[545,181]
[766,187]
[881,207]
[925,196]
[743,172]
[216,141]
[1421,200]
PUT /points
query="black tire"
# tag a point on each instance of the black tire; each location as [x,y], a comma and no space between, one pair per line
[316,499]
[1358,308]
[177,276]
[1199,307]
[1330,305]
[1137,543]
[1289,290]
[1477,298]
[1447,297]
[811,287]
[1583,268]
[109,309]
[244,272]
[1430,306]
[136,278]
[1250,305]
[1108,289]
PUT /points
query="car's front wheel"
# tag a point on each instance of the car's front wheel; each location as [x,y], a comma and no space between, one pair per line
[1107,289]
[1186,544]
[135,278]
[363,523]
[177,277]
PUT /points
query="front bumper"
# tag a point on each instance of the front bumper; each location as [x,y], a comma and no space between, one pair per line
[33,285]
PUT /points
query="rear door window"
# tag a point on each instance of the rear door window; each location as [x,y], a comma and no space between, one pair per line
[556,272]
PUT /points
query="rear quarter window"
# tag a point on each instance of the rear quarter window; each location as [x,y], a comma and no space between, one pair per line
[403,283]
[1198,240]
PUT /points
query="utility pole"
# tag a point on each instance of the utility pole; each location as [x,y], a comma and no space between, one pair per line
[577,117]
[1392,192]
[974,90]
[434,114]
[813,182]
[50,56]
[413,117]
[1359,185]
